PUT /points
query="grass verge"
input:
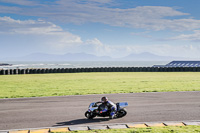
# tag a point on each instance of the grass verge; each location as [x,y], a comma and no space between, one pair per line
[38,85]
[168,129]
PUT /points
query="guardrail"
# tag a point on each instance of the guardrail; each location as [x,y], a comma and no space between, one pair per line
[100,69]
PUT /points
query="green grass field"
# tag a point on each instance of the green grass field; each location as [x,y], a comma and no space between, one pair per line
[168,129]
[38,85]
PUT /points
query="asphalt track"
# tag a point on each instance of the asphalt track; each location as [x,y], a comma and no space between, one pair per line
[69,110]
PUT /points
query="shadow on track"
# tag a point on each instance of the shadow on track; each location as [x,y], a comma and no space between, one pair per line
[81,121]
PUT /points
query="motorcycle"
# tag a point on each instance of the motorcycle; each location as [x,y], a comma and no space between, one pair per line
[98,109]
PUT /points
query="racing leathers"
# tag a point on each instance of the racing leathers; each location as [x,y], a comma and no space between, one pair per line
[112,107]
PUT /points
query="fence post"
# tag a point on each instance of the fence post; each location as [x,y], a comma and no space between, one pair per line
[30,71]
[4,72]
[145,69]
[27,71]
[8,71]
[23,71]
[34,71]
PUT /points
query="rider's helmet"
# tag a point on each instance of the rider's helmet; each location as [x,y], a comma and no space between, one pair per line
[104,99]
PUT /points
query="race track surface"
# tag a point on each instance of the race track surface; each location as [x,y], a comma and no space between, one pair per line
[69,110]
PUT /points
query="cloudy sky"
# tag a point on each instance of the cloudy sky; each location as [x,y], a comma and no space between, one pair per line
[114,28]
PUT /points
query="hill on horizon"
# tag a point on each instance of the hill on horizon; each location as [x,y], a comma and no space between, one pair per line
[89,57]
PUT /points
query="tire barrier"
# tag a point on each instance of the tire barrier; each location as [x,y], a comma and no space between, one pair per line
[98,69]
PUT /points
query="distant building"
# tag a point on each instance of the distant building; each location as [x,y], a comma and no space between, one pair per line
[181,64]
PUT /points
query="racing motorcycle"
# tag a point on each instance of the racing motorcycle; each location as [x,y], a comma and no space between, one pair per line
[96,109]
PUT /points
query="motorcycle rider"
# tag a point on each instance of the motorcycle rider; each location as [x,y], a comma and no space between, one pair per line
[110,105]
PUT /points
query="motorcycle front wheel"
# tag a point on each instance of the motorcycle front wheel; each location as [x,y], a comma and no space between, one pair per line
[89,115]
[121,113]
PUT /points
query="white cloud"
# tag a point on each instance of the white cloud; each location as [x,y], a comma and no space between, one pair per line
[12,26]
[188,37]
[191,51]
[7,9]
[96,47]
[76,11]
[42,33]
[21,2]
[51,38]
